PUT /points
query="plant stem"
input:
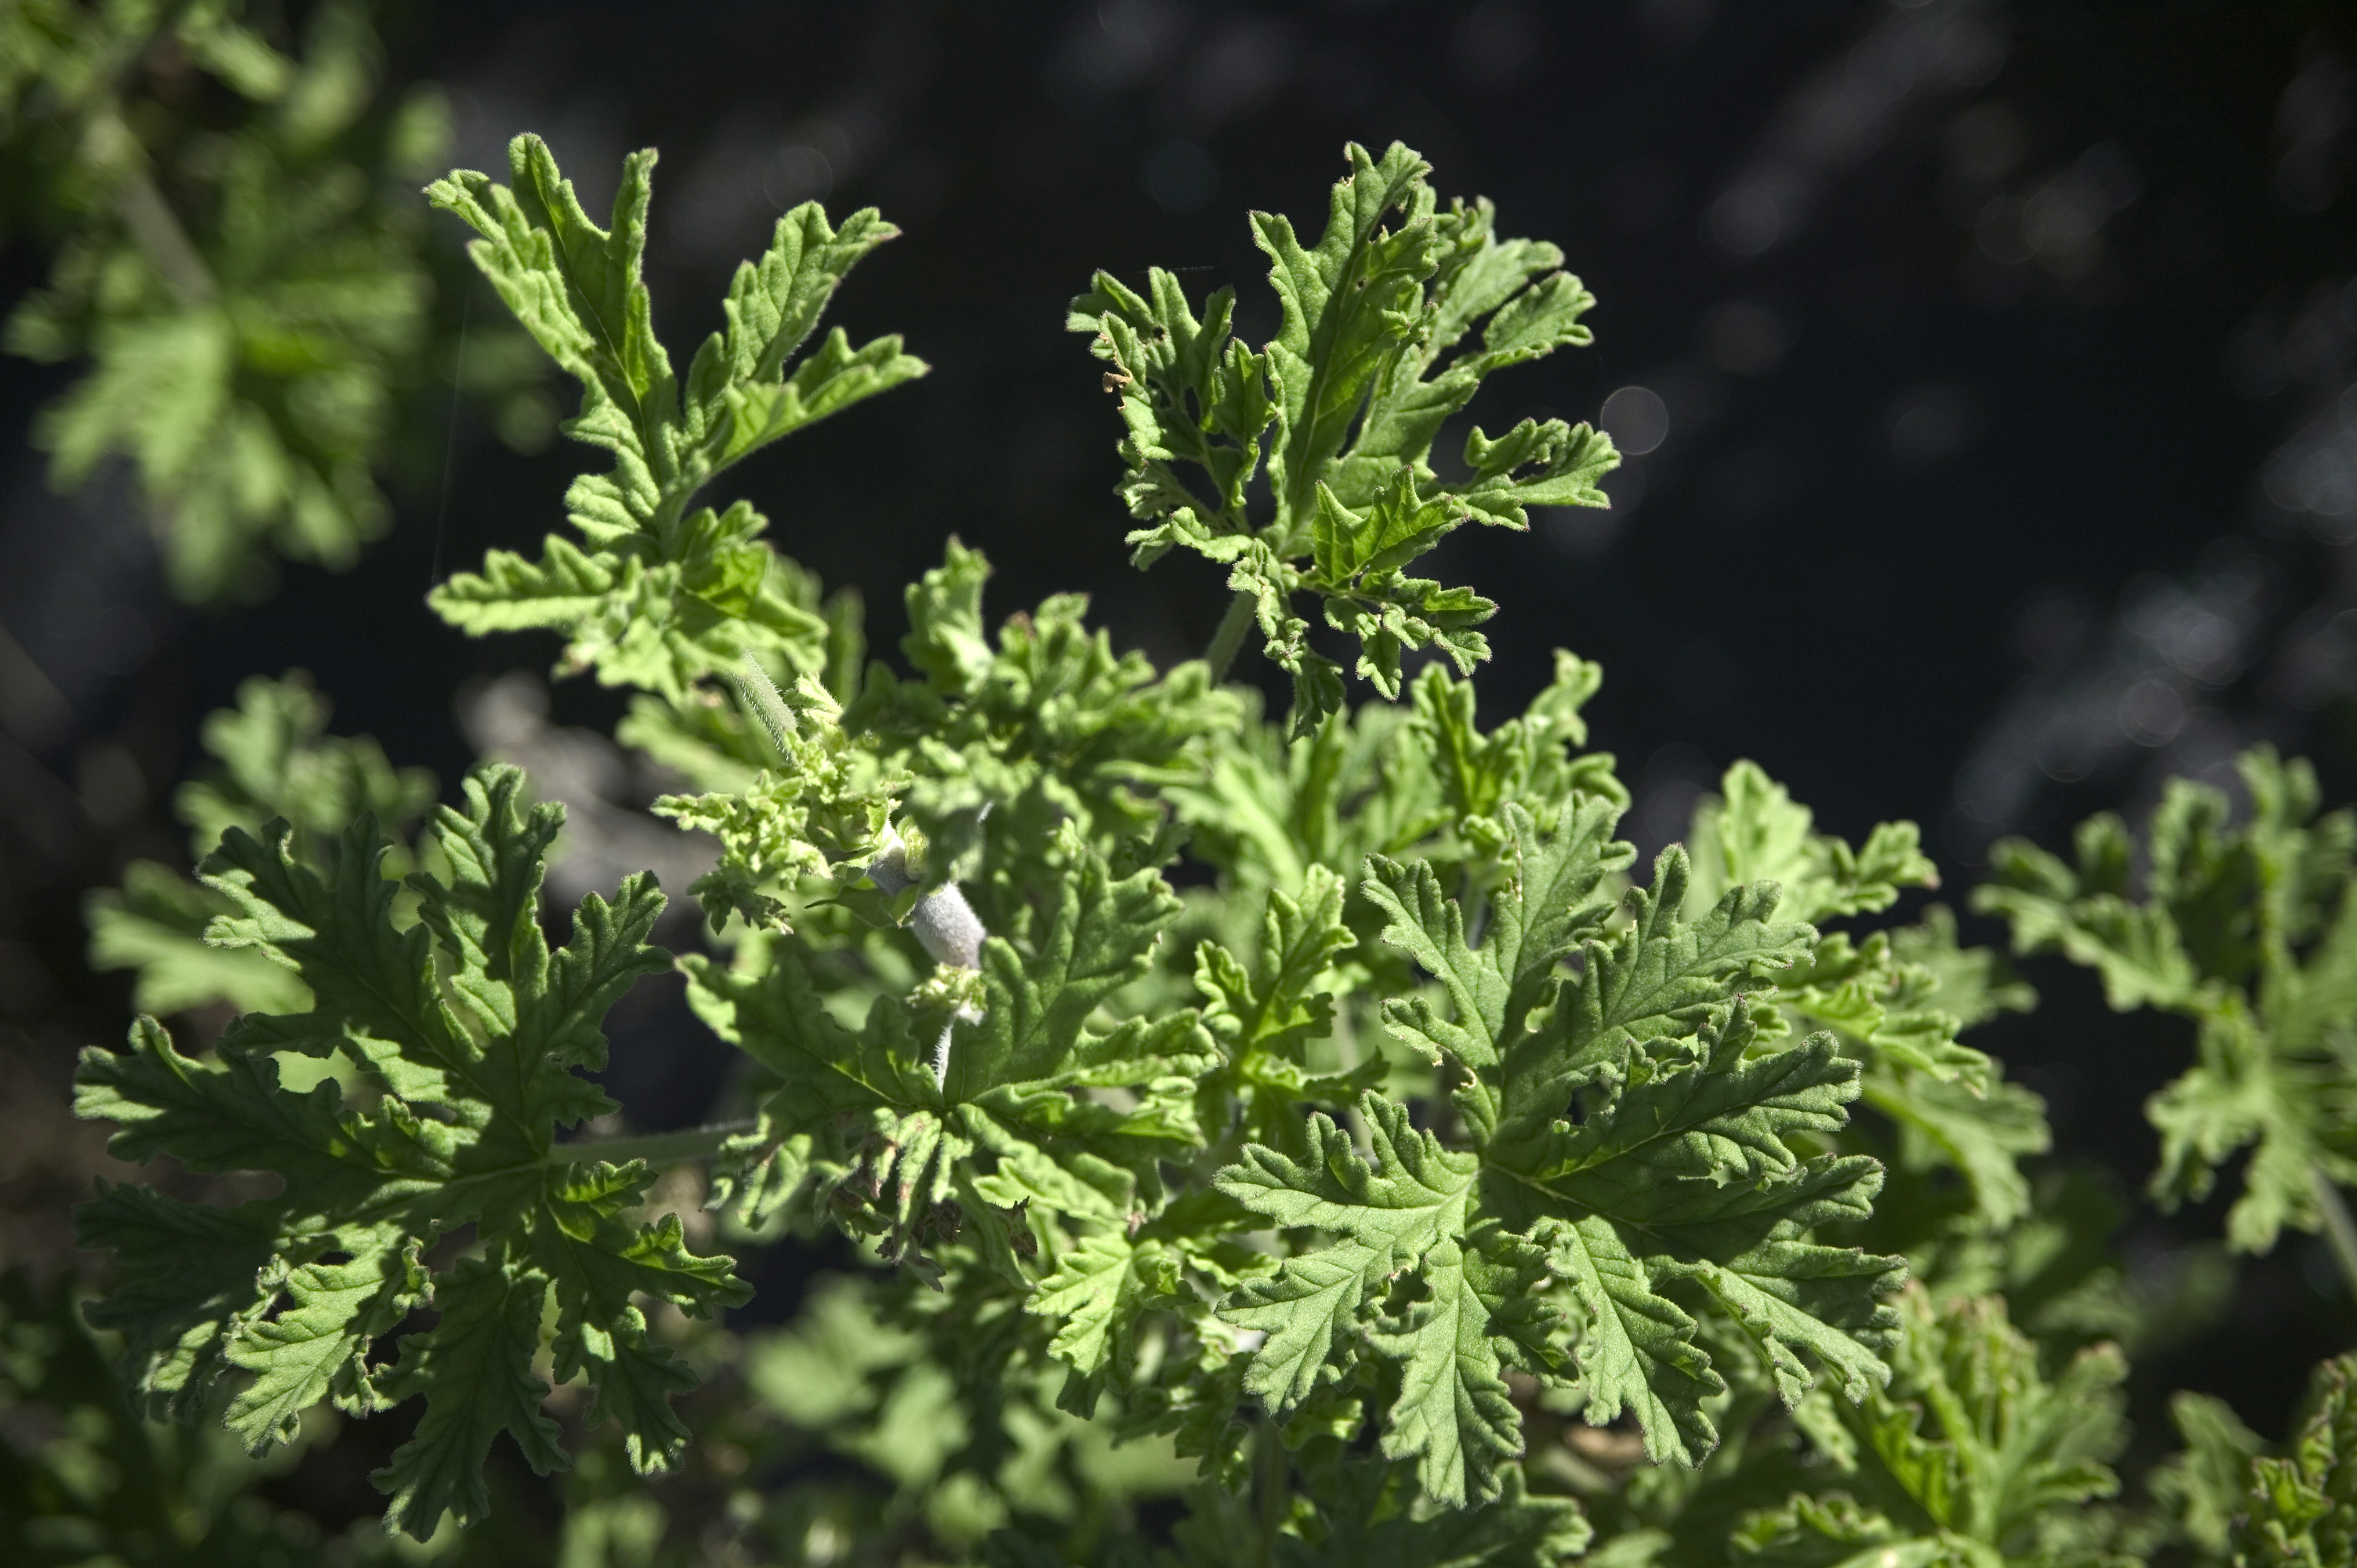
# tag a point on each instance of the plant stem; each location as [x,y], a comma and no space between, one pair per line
[761,698]
[152,222]
[655,1148]
[1228,639]
[2338,1228]
[1270,1473]
[158,229]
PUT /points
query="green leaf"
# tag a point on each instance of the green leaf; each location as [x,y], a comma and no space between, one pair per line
[154,924]
[1189,393]
[860,1130]
[1372,1523]
[1973,984]
[273,757]
[1524,759]
[1345,303]
[945,639]
[2240,1093]
[1534,464]
[1394,530]
[1100,1290]
[1344,403]
[1655,979]
[1656,1214]
[1454,1415]
[473,1035]
[2208,1485]
[2250,930]
[661,595]
[1390,1221]
[184,1275]
[1272,1007]
[100,1477]
[475,1369]
[1984,1137]
[1005,743]
[1973,1456]
[1681,1168]
[237,263]
[1834,1531]
[2302,1505]
[836,1087]
[1037,1007]
[2136,949]
[1543,911]
[820,807]
[1898,1002]
[1271,1019]
[314,1348]
[1756,833]
[596,1264]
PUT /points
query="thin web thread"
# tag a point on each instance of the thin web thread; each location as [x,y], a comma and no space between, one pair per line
[450,440]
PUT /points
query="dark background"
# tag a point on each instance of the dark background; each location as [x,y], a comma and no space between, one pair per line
[1994,361]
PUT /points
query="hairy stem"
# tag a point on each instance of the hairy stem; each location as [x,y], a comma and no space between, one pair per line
[1229,640]
[2338,1228]
[655,1148]
[761,698]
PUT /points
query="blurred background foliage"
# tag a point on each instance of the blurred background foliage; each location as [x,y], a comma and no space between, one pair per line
[1989,372]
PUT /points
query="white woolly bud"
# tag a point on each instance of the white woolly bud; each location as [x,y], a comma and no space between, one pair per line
[944,923]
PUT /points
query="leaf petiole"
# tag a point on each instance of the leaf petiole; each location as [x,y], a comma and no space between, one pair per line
[675,1147]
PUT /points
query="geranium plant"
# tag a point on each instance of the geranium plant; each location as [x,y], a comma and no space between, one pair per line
[1426,1183]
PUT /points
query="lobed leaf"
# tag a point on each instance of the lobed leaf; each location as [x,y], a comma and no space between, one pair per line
[1682,1165]
[663,595]
[1971,1457]
[1343,406]
[473,1034]
[2249,931]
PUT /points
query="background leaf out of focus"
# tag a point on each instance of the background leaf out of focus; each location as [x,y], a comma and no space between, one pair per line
[1988,374]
